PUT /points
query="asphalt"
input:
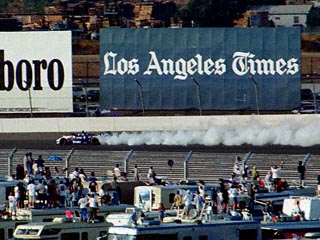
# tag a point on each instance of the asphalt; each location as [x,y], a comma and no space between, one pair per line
[47,141]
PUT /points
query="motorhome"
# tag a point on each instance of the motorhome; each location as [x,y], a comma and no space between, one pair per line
[60,230]
[218,229]
[149,197]
[47,216]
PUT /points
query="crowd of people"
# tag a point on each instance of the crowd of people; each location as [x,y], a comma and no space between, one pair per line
[42,191]
[37,189]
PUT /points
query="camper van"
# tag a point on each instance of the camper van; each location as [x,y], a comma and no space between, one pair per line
[149,197]
[60,230]
[220,229]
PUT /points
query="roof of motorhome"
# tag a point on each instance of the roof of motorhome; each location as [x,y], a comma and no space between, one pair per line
[178,186]
[173,225]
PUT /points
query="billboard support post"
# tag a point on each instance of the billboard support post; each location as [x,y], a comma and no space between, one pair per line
[30,101]
[198,94]
[141,95]
[255,84]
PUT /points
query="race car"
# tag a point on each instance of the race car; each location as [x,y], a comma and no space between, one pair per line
[80,138]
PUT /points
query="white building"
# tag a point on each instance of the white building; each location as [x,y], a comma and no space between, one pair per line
[289,15]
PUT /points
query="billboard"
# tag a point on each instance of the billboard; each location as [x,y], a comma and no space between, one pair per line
[35,72]
[207,68]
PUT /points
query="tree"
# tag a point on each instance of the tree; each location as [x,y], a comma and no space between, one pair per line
[218,13]
[313,18]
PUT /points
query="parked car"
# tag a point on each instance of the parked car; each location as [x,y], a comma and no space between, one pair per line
[306,109]
[93,110]
[77,92]
[92,96]
[306,94]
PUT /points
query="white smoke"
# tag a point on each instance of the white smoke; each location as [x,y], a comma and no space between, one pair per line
[256,134]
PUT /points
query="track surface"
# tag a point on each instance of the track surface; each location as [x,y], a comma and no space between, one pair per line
[47,141]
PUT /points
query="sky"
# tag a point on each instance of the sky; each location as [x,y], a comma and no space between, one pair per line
[285,133]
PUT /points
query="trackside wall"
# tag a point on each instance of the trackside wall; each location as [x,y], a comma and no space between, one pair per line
[118,124]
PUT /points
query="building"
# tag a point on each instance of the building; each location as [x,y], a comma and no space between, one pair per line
[289,15]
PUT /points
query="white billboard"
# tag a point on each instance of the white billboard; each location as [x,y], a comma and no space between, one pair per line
[36,71]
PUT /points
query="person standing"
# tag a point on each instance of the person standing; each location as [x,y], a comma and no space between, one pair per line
[40,164]
[136,173]
[187,200]
[12,204]
[198,201]
[177,200]
[62,193]
[116,171]
[31,189]
[161,210]
[42,194]
[93,207]
[93,186]
[83,202]
[301,174]
[225,199]
[17,195]
[276,175]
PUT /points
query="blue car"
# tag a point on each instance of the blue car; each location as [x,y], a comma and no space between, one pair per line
[81,138]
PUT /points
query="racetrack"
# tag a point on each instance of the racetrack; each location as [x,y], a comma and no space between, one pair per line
[47,141]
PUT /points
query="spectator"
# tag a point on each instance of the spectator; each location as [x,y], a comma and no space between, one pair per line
[276,175]
[136,173]
[198,201]
[74,174]
[187,200]
[92,176]
[225,199]
[68,195]
[83,202]
[42,194]
[233,197]
[214,198]
[28,162]
[238,166]
[201,188]
[301,174]
[12,204]
[62,193]
[82,175]
[93,207]
[116,171]
[93,186]
[23,194]
[40,164]
[245,174]
[31,189]
[52,193]
[177,200]
[17,194]
[254,173]
[161,210]
[150,172]
[20,172]
[297,213]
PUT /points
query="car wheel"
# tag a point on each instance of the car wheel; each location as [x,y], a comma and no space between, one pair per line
[63,141]
[95,141]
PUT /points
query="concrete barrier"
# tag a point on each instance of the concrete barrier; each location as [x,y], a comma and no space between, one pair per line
[119,124]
